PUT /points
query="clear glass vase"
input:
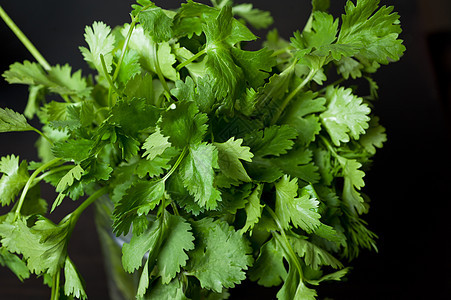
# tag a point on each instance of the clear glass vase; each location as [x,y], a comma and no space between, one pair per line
[121,285]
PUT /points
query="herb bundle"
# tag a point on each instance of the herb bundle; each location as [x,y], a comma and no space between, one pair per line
[222,164]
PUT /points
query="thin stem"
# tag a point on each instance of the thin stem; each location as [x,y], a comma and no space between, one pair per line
[25,41]
[292,94]
[43,135]
[56,170]
[125,46]
[285,243]
[110,81]
[56,286]
[158,70]
[177,163]
[190,60]
[77,212]
[28,185]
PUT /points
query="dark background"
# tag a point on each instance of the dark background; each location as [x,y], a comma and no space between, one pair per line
[408,184]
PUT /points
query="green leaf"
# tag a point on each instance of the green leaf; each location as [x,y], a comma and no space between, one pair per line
[353,181]
[172,256]
[14,178]
[220,257]
[13,121]
[155,145]
[374,31]
[201,93]
[157,23]
[197,171]
[184,124]
[301,211]
[58,79]
[133,115]
[313,255]
[67,180]
[374,137]
[14,263]
[73,284]
[346,116]
[301,114]
[274,140]
[229,155]
[130,67]
[170,291]
[43,245]
[298,163]
[151,53]
[166,243]
[257,18]
[138,200]
[269,269]
[253,210]
[100,42]
[73,150]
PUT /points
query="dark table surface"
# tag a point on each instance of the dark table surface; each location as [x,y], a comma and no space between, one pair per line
[409,183]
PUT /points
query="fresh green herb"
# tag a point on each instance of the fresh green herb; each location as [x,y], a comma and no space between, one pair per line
[222,164]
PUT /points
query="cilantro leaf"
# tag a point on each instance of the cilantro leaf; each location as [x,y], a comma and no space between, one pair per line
[73,284]
[14,263]
[274,140]
[14,178]
[346,116]
[43,245]
[155,144]
[257,18]
[13,121]
[269,269]
[157,23]
[184,124]
[220,257]
[197,171]
[201,93]
[101,43]
[253,210]
[229,155]
[166,241]
[375,31]
[138,200]
[151,54]
[314,256]
[58,79]
[302,212]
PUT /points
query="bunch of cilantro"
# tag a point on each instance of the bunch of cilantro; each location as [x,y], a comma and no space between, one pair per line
[222,164]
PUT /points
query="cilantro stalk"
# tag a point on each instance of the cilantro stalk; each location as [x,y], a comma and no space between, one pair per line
[283,241]
[293,93]
[25,41]
[191,59]
[29,183]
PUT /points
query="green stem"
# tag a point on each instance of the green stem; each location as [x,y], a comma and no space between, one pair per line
[56,286]
[177,163]
[190,60]
[56,170]
[284,241]
[25,41]
[281,51]
[43,135]
[292,95]
[110,81]
[125,46]
[28,185]
[158,71]
[77,212]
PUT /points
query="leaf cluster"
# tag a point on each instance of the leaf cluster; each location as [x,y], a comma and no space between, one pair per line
[221,164]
